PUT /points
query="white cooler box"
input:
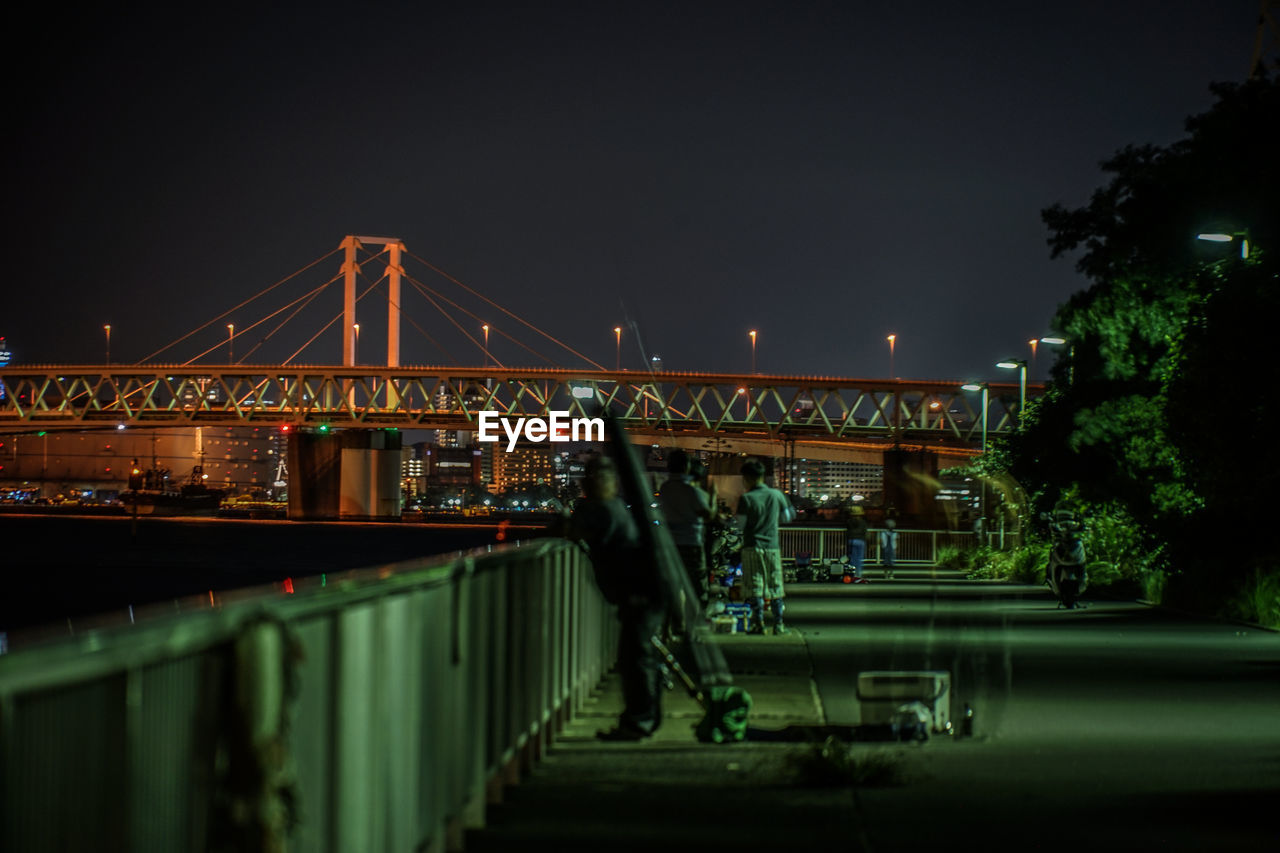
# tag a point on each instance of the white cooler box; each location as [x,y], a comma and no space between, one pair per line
[882,692]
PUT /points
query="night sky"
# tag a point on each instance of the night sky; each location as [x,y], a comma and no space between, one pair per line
[826,173]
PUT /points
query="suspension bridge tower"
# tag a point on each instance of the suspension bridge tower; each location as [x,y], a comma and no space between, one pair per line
[352,473]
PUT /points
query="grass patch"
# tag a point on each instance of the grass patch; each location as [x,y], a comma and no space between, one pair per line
[1258,599]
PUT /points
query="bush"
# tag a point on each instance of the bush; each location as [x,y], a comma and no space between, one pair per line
[953,557]
[1258,599]
[1024,564]
[1116,546]
[1153,583]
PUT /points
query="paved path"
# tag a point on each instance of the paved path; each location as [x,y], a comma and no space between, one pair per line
[1117,727]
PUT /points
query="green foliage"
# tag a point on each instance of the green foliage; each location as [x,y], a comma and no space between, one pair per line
[1116,545]
[952,557]
[1023,565]
[1258,599]
[1153,585]
[1154,427]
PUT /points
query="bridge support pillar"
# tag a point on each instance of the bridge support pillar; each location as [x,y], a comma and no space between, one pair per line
[911,485]
[352,474]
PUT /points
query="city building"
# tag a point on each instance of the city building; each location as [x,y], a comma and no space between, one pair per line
[96,464]
[816,478]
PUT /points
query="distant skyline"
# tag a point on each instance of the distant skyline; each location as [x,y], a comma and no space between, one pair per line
[826,174]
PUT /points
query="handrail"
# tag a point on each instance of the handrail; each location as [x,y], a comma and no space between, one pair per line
[389,704]
[915,547]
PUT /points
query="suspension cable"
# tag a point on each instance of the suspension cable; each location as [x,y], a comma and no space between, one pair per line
[308,297]
[326,326]
[515,317]
[423,288]
[237,308]
[448,355]
[424,291]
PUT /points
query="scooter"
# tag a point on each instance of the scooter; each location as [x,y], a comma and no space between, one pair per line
[1065,574]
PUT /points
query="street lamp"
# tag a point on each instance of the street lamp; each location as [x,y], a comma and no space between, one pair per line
[1020,364]
[1071,356]
[891,340]
[231,336]
[485,327]
[107,329]
[1033,342]
[982,494]
[1242,236]
[983,387]
[753,350]
[355,348]
[617,361]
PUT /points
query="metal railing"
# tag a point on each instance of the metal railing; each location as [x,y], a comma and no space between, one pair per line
[829,543]
[376,710]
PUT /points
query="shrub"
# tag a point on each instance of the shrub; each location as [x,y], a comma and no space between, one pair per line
[1258,599]
[1153,585]
[1024,564]
[953,557]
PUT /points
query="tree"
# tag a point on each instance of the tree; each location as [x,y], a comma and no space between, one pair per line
[1156,402]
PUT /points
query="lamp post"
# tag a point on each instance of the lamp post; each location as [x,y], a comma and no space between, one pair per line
[231,336]
[891,339]
[107,329]
[1242,236]
[485,327]
[1071,356]
[355,347]
[1021,365]
[617,359]
[982,494]
[1034,342]
[753,350]
[985,389]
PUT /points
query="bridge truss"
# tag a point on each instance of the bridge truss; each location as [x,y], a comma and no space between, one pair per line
[795,408]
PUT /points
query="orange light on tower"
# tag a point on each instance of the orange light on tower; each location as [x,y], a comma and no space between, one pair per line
[891,339]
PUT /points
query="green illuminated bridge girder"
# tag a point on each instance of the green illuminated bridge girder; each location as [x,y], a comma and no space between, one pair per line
[794,408]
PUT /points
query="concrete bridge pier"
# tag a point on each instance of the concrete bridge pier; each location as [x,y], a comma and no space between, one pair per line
[349,474]
[911,486]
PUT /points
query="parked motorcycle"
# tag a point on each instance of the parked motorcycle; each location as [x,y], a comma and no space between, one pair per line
[1065,574]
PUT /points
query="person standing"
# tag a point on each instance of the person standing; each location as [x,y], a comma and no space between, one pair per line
[688,509]
[855,533]
[762,509]
[628,579]
[888,546]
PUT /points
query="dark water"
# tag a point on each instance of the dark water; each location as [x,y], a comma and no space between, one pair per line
[54,568]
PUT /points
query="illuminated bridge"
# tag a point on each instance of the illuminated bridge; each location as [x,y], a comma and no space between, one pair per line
[338,415]
[802,409]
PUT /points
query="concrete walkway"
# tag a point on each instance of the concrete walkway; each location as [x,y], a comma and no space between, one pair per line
[672,792]
[1116,727]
